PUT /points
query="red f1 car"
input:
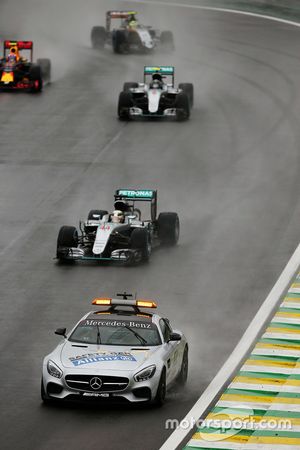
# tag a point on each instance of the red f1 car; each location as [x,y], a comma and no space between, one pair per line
[17,72]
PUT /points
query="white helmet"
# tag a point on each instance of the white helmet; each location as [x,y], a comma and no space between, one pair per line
[117,216]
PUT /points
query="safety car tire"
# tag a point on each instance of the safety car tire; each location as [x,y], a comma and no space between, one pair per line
[183,374]
[161,390]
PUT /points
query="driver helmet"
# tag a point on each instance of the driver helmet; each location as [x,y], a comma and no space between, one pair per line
[157,81]
[132,22]
[157,76]
[118,216]
[13,55]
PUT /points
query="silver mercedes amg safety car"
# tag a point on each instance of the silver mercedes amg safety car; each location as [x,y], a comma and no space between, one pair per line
[118,354]
[156,98]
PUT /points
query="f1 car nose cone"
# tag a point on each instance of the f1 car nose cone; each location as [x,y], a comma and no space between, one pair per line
[96,383]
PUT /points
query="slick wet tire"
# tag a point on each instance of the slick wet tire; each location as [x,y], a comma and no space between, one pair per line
[140,240]
[35,76]
[183,374]
[161,390]
[98,36]
[97,212]
[119,41]
[182,105]
[188,89]
[45,65]
[67,237]
[167,40]
[129,85]
[168,228]
[125,102]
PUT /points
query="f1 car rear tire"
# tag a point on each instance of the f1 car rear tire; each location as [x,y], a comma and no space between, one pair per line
[98,35]
[98,212]
[182,105]
[67,237]
[167,40]
[140,240]
[183,374]
[125,102]
[188,88]
[45,65]
[119,41]
[129,85]
[168,228]
[35,76]
[161,390]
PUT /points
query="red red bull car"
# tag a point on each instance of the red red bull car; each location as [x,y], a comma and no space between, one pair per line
[18,72]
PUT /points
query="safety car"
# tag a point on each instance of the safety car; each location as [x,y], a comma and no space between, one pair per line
[120,354]
[130,35]
[157,98]
[126,235]
[18,72]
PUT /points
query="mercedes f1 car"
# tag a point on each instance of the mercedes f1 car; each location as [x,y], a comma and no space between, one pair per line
[17,72]
[130,36]
[122,236]
[119,355]
[157,98]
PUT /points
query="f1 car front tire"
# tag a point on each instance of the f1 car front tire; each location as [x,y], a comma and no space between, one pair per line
[98,36]
[67,237]
[168,228]
[119,41]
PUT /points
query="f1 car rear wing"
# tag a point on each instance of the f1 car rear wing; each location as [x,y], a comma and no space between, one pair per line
[162,70]
[18,45]
[139,195]
[117,15]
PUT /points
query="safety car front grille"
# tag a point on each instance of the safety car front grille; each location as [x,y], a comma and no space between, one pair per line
[109,383]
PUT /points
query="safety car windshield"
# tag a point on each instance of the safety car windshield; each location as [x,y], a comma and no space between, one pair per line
[116,332]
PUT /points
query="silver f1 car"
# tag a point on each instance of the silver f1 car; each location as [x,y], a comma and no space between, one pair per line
[130,36]
[157,98]
[119,355]
[123,235]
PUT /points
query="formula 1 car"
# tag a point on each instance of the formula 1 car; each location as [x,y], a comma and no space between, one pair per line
[157,98]
[121,236]
[119,355]
[130,36]
[17,72]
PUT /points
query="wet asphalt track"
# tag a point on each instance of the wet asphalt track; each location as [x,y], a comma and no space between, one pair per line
[231,172]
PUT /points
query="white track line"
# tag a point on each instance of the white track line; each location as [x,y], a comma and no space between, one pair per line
[269,304]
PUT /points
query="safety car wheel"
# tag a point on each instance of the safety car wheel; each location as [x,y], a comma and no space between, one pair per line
[140,240]
[161,390]
[168,228]
[35,76]
[45,65]
[45,399]
[183,374]
[129,85]
[188,88]
[125,102]
[67,237]
[98,35]
[182,105]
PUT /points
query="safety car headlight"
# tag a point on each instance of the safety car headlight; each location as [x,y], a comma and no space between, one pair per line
[145,374]
[53,369]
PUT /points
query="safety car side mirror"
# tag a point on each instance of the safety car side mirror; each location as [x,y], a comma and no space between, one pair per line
[175,337]
[61,332]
